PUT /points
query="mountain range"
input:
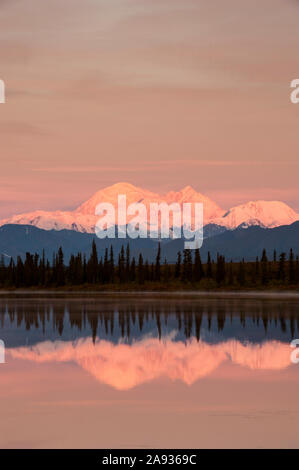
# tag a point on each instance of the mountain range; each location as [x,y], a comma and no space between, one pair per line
[235,244]
[266,214]
[242,231]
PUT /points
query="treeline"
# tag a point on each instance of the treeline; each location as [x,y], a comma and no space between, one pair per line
[189,270]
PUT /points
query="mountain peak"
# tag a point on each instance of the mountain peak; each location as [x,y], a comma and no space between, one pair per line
[263,213]
[188,189]
[189,194]
[110,194]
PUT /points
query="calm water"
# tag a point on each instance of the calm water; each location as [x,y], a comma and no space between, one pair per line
[148,371]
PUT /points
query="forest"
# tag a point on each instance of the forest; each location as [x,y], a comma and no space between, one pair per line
[275,271]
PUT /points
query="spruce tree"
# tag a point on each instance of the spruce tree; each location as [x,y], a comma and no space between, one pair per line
[257,270]
[282,267]
[128,261]
[140,270]
[106,268]
[220,269]
[84,270]
[198,269]
[133,270]
[264,268]
[209,266]
[231,274]
[121,266]
[297,272]
[60,269]
[158,265]
[146,271]
[94,261]
[111,265]
[43,269]
[20,273]
[292,272]
[241,273]
[166,271]
[177,272]
[101,271]
[187,266]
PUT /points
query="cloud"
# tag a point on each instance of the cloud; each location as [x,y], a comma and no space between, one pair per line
[157,164]
[15,128]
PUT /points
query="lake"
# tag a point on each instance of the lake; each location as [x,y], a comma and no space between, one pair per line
[148,371]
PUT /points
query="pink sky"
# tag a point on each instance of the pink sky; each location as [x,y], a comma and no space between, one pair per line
[160,94]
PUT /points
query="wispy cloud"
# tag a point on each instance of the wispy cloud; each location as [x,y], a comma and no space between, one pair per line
[142,165]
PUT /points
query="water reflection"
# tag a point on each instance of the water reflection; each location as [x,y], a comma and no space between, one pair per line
[212,320]
[124,366]
[125,343]
[150,372]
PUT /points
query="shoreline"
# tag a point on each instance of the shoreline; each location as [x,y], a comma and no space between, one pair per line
[242,294]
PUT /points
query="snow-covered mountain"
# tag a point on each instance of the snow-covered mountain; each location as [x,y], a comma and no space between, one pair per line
[83,219]
[57,220]
[188,194]
[268,214]
[110,194]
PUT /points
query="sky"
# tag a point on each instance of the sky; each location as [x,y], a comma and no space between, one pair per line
[159,94]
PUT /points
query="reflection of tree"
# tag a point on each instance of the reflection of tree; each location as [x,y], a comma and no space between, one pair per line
[58,318]
[158,322]
[140,319]
[124,318]
[221,318]
[292,325]
[93,322]
[198,319]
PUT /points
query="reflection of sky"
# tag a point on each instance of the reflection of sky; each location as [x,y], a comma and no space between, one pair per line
[124,366]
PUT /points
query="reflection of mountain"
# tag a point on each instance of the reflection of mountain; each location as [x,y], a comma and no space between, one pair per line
[124,366]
